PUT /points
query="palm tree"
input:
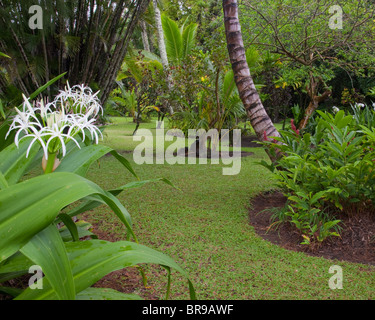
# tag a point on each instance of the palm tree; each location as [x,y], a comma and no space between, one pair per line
[258,116]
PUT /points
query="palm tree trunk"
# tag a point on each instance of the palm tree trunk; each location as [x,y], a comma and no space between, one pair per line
[160,36]
[258,116]
[146,43]
[162,49]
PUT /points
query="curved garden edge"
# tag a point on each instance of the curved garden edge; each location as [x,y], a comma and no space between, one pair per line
[356,244]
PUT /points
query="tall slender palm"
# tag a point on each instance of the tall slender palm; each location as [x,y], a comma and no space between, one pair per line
[257,114]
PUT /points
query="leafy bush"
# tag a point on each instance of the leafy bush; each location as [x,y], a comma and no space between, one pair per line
[327,173]
[33,210]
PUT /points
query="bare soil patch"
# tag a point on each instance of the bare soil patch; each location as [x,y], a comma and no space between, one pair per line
[356,244]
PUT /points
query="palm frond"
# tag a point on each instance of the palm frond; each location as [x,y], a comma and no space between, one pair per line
[188,36]
[173,39]
[228,86]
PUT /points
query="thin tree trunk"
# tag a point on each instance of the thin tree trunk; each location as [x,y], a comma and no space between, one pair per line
[258,116]
[123,46]
[162,49]
[160,36]
[146,43]
[24,57]
[45,55]
[314,101]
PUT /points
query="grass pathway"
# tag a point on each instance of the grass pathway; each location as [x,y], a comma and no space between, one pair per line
[205,228]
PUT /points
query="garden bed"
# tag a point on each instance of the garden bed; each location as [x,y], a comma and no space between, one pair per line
[356,244]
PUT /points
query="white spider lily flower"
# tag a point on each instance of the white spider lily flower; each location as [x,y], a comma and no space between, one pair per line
[43,109]
[80,123]
[80,99]
[359,106]
[53,125]
[22,124]
[27,105]
[373,105]
[57,140]
[335,109]
[38,136]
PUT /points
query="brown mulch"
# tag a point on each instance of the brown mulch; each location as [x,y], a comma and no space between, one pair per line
[356,243]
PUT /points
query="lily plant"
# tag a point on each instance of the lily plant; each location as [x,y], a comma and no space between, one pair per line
[72,113]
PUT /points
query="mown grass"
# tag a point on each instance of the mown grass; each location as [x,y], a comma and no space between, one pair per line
[205,228]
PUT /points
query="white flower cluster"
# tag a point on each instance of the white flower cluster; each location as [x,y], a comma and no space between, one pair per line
[359,105]
[54,124]
[335,109]
[80,100]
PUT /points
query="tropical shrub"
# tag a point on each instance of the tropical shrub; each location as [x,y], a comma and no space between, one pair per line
[32,210]
[327,173]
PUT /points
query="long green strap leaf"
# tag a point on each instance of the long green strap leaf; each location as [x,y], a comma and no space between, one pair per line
[28,207]
[44,87]
[2,113]
[91,260]
[3,182]
[70,225]
[13,161]
[47,250]
[80,160]
[93,203]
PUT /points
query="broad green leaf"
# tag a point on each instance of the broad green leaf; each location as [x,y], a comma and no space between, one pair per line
[42,199]
[4,128]
[105,294]
[124,162]
[2,113]
[70,225]
[3,182]
[79,161]
[11,275]
[47,250]
[16,263]
[83,230]
[92,203]
[13,161]
[4,55]
[44,87]
[317,196]
[14,292]
[93,259]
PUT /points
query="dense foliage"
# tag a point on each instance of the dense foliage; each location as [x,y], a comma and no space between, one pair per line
[327,173]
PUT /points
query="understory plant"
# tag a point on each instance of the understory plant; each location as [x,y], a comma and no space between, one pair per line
[39,216]
[326,174]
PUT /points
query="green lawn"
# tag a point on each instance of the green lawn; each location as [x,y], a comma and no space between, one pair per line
[205,228]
